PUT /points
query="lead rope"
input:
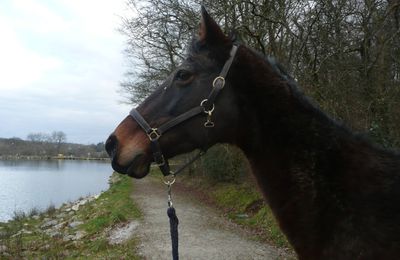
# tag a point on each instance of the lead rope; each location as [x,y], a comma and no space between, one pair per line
[173,220]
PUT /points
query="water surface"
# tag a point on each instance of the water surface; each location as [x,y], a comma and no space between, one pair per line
[37,184]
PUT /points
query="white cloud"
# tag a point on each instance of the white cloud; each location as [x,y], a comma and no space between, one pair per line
[20,66]
[38,16]
[100,18]
[61,64]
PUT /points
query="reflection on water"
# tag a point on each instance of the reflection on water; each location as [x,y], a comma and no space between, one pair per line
[37,184]
[33,165]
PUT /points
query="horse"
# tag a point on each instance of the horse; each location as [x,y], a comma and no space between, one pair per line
[335,194]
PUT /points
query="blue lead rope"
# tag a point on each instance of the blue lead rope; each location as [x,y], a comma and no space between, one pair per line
[173,223]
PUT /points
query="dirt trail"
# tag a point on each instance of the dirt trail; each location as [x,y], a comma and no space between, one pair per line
[203,234]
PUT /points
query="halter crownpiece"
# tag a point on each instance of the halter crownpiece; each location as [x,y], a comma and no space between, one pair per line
[206,107]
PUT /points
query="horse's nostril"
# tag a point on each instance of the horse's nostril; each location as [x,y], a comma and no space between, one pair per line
[111,145]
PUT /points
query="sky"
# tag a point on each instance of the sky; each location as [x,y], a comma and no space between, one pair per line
[61,62]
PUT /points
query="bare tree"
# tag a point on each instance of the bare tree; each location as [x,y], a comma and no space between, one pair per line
[58,138]
[38,137]
[344,53]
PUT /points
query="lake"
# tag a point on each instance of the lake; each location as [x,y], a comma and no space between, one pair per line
[27,184]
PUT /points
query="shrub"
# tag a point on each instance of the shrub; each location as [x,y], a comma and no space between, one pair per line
[224,163]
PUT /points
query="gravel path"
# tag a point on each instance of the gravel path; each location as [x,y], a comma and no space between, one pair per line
[203,234]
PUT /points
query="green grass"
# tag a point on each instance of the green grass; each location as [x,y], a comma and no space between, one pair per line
[244,204]
[112,208]
[115,207]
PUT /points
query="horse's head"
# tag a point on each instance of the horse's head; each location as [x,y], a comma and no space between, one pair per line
[183,90]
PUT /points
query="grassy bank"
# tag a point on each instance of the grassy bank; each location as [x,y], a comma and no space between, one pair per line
[76,230]
[245,205]
[242,203]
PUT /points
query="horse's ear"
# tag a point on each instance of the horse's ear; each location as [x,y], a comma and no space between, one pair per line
[209,31]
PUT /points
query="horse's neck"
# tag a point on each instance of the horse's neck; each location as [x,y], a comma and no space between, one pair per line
[296,173]
[323,183]
[296,153]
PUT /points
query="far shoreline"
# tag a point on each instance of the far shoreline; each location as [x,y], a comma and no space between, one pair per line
[35,157]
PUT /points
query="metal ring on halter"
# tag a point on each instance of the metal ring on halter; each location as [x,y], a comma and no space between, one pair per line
[217,79]
[207,111]
[169,181]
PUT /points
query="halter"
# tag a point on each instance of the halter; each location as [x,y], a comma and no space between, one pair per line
[206,107]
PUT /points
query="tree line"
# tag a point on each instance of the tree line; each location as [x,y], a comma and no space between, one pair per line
[56,137]
[345,54]
[37,146]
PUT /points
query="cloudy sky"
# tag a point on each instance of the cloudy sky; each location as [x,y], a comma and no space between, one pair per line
[60,67]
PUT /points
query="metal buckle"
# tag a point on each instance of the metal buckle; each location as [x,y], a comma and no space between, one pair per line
[169,183]
[207,111]
[154,134]
[219,78]
[208,123]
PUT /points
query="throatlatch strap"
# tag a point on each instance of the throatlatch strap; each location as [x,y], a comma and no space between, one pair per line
[192,160]
[220,80]
[228,63]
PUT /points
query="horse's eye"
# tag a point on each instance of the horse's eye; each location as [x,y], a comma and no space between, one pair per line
[183,75]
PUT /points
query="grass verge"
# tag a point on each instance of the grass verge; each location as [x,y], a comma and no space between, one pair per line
[241,202]
[245,205]
[77,230]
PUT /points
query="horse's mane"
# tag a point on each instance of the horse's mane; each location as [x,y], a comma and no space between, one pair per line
[195,48]
[298,92]
[295,88]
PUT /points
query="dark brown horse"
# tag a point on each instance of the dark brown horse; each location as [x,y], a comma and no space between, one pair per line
[335,195]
